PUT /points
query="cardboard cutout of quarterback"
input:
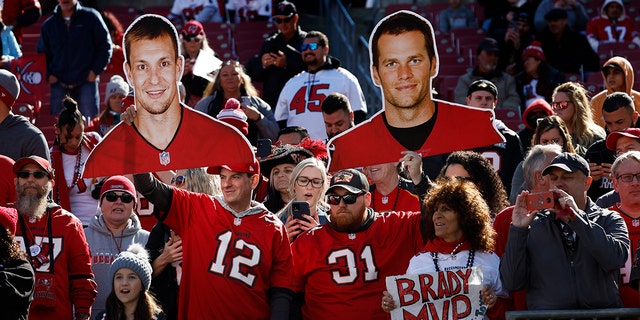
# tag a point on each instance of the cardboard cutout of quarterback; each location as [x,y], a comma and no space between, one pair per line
[165,134]
[404,61]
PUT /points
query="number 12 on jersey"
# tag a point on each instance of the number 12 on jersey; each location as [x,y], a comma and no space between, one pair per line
[237,262]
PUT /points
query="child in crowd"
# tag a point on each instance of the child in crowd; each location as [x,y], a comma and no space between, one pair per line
[130,297]
[117,89]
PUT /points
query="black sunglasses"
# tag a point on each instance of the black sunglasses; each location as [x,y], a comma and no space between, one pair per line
[178,180]
[36,174]
[349,198]
[285,20]
[111,196]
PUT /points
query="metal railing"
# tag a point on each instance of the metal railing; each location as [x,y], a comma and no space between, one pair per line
[352,51]
[618,314]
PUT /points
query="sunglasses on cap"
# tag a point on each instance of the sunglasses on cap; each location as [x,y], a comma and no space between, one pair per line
[178,181]
[193,38]
[312,46]
[555,106]
[285,20]
[349,198]
[111,196]
[36,174]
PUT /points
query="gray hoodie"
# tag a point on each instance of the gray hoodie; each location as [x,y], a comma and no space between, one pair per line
[104,247]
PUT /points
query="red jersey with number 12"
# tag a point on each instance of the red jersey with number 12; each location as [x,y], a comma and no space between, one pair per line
[343,274]
[229,263]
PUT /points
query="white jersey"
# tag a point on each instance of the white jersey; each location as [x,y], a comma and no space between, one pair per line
[489,262]
[200,10]
[302,96]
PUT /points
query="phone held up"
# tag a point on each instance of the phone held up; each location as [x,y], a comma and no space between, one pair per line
[263,148]
[546,200]
[300,208]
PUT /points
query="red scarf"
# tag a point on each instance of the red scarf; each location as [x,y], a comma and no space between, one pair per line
[60,188]
[440,246]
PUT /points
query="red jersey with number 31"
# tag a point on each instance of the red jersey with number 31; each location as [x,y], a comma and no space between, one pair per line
[343,274]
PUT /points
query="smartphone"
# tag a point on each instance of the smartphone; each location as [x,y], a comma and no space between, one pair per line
[245,100]
[264,148]
[600,157]
[539,201]
[300,208]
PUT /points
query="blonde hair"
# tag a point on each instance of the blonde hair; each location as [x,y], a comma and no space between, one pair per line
[582,127]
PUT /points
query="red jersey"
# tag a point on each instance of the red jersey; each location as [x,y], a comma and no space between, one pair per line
[343,274]
[229,263]
[629,296]
[397,200]
[603,30]
[456,127]
[73,285]
[7,184]
[199,141]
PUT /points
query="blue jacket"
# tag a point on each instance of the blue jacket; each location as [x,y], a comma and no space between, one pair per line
[73,52]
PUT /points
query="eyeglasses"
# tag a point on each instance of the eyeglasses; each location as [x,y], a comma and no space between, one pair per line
[111,196]
[192,38]
[349,198]
[555,106]
[285,20]
[629,177]
[178,181]
[312,46]
[304,181]
[36,174]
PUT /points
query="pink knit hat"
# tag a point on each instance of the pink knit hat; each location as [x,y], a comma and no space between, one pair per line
[233,115]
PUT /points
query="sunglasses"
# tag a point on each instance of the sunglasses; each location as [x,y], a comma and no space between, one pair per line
[36,174]
[312,46]
[304,181]
[555,106]
[111,196]
[285,20]
[349,198]
[193,38]
[178,181]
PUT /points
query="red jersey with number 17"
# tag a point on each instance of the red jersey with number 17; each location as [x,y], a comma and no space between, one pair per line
[343,274]
[229,263]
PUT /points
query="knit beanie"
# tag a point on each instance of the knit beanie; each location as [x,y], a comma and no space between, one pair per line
[9,219]
[9,88]
[135,258]
[116,85]
[534,50]
[233,115]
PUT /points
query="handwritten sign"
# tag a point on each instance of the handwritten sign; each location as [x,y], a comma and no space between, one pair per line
[440,295]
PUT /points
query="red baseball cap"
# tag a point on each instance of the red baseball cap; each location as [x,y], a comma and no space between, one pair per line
[252,168]
[613,137]
[118,183]
[40,162]
[192,28]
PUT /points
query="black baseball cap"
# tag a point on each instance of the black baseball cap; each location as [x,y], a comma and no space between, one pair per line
[483,85]
[555,14]
[285,8]
[569,162]
[611,66]
[489,45]
[352,180]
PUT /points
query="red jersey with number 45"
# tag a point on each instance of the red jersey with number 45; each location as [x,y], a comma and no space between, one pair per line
[343,274]
[229,263]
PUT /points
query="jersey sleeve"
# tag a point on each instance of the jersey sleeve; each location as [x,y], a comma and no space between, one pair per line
[83,288]
[280,275]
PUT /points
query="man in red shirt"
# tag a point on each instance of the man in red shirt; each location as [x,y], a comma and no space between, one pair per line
[54,241]
[237,261]
[348,259]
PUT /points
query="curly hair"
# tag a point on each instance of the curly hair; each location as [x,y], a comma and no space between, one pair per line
[553,122]
[9,248]
[465,199]
[582,126]
[483,175]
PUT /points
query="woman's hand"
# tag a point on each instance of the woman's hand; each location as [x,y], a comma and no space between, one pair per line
[128,115]
[252,113]
[297,226]
[412,161]
[488,296]
[387,302]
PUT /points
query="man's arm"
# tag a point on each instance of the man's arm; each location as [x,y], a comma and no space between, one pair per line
[103,45]
[154,190]
[82,286]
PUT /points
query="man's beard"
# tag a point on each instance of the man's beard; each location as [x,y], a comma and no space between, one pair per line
[30,203]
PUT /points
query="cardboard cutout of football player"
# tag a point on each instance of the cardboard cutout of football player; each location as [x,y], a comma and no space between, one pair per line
[165,134]
[404,61]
